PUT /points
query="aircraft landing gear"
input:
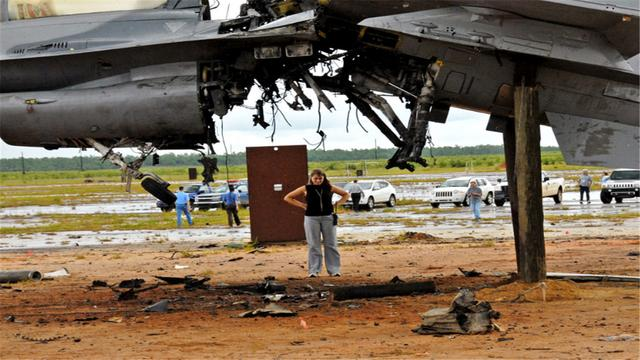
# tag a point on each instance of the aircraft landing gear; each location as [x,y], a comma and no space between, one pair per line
[152,183]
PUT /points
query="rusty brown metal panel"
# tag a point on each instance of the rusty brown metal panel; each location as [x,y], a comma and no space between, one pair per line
[273,171]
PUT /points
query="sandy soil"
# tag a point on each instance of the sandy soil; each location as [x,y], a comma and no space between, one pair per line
[83,322]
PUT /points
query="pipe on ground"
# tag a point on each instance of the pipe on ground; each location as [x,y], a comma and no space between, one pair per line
[19,275]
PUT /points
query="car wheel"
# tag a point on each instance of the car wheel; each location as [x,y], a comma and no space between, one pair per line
[465,202]
[489,199]
[392,201]
[605,197]
[618,200]
[435,205]
[371,203]
[557,198]
[457,204]
[499,202]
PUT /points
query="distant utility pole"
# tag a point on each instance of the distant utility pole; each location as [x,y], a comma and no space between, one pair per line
[22,157]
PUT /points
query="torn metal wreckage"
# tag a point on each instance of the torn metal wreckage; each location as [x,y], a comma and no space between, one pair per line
[155,78]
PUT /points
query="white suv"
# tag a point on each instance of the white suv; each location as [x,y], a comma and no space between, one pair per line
[454,191]
[375,192]
[623,183]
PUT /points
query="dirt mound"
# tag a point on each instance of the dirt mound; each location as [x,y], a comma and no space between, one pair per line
[555,290]
[412,236]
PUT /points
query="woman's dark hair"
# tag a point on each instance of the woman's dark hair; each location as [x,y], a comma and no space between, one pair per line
[319,172]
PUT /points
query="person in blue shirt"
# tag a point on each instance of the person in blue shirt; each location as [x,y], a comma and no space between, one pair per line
[230,201]
[182,206]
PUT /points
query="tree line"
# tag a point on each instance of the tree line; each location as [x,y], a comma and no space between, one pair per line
[182,160]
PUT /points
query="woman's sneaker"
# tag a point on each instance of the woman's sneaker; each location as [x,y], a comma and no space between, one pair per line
[336,275]
[313,275]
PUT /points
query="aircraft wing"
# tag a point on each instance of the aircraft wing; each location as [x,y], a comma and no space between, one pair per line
[488,29]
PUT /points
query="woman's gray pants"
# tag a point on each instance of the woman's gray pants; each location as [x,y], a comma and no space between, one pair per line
[313,227]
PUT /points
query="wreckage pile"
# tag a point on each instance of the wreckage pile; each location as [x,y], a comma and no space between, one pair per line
[466,315]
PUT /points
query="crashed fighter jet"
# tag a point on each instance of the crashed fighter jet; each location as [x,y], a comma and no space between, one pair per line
[157,77]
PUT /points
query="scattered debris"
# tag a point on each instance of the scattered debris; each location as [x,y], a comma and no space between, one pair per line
[592,277]
[621,337]
[160,306]
[396,280]
[56,274]
[132,293]
[273,297]
[208,246]
[99,283]
[19,275]
[470,273]
[374,291]
[190,283]
[180,267]
[633,253]
[85,319]
[42,340]
[269,310]
[114,319]
[131,283]
[10,318]
[236,258]
[465,316]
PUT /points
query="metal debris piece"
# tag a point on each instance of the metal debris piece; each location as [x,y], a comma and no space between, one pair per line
[374,291]
[396,279]
[621,337]
[40,340]
[235,259]
[56,274]
[466,315]
[180,267]
[592,277]
[131,283]
[269,310]
[274,297]
[633,253]
[208,246]
[160,306]
[85,319]
[99,283]
[132,293]
[470,273]
[19,275]
[114,319]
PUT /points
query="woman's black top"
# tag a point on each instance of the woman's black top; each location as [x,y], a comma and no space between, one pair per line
[318,200]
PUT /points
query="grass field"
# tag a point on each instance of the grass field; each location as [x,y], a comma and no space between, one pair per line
[441,165]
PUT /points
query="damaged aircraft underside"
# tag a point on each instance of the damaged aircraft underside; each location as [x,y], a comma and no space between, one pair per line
[159,78]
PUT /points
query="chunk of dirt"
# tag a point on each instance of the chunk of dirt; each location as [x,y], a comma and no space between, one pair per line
[412,236]
[556,290]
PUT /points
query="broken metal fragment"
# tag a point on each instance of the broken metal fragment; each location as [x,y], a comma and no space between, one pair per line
[160,306]
[99,283]
[374,291]
[56,274]
[466,315]
[19,275]
[470,273]
[131,283]
[269,310]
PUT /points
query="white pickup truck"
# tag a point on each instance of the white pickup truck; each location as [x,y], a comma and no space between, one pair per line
[552,188]
[623,183]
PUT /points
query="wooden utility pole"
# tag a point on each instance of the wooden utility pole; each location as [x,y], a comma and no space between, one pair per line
[529,182]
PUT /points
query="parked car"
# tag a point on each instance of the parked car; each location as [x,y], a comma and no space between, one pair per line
[551,187]
[213,199]
[192,190]
[454,191]
[375,192]
[622,184]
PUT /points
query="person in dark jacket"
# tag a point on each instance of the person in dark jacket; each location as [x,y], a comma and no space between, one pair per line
[319,225]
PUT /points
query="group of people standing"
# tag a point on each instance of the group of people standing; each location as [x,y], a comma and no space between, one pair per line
[229,202]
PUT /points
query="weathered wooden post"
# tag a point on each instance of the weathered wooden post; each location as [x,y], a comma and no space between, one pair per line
[509,139]
[529,182]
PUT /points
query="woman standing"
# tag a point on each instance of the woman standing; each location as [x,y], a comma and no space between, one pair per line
[319,220]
